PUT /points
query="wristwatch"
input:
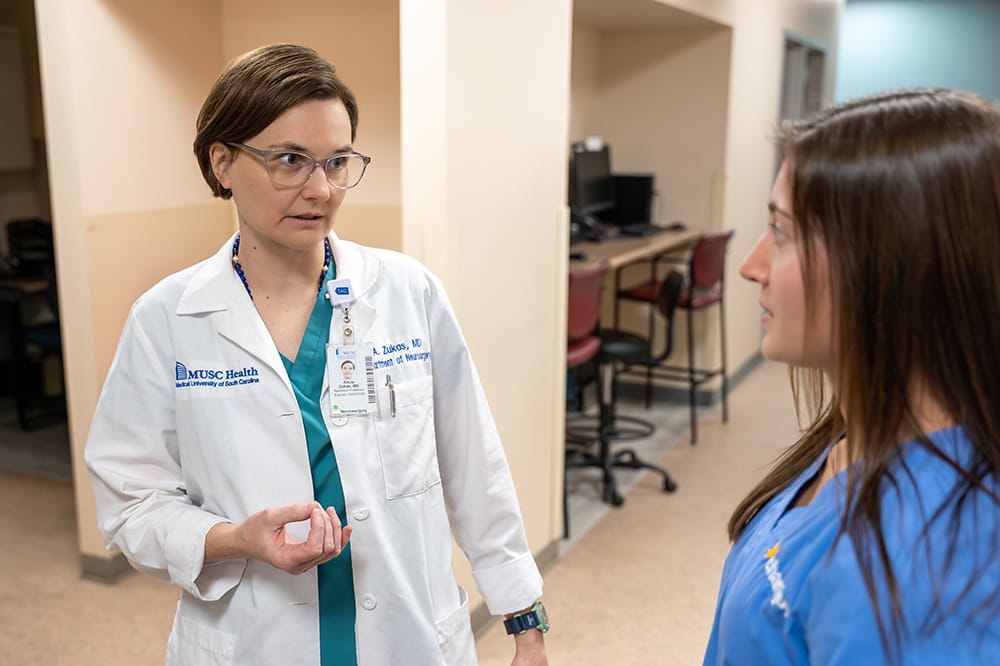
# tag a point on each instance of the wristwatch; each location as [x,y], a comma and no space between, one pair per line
[531,619]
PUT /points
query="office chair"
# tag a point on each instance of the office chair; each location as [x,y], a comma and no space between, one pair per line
[30,345]
[621,350]
[583,344]
[705,287]
[31,247]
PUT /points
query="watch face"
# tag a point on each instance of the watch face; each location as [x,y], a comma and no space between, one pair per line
[543,618]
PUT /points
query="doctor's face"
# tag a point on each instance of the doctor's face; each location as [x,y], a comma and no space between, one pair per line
[289,217]
[793,333]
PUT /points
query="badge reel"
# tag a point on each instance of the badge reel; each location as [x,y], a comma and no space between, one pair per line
[351,371]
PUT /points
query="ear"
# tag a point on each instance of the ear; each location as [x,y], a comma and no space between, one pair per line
[221,157]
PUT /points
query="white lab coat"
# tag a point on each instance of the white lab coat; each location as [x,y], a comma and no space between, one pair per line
[170,455]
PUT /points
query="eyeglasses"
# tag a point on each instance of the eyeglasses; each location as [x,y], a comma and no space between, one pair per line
[287,168]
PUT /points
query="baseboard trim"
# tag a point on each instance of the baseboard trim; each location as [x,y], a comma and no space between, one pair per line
[636,388]
[480,615]
[105,569]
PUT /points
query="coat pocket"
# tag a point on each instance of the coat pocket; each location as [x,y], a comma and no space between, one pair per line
[458,646]
[406,441]
[192,643]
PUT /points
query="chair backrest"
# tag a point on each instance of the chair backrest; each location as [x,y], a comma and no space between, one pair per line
[708,260]
[666,304]
[31,247]
[585,300]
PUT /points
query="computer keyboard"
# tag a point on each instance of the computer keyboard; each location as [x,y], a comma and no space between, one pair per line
[647,228]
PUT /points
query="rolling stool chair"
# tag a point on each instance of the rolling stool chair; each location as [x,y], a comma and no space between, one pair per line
[626,350]
[706,287]
[583,344]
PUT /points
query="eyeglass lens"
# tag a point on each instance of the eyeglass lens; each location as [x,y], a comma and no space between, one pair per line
[294,169]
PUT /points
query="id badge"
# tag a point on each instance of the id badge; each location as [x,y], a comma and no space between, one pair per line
[351,380]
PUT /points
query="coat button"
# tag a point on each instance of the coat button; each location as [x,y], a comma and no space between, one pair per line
[368,602]
[360,513]
[339,421]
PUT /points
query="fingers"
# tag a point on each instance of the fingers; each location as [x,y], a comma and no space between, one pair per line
[272,542]
[292,513]
[326,539]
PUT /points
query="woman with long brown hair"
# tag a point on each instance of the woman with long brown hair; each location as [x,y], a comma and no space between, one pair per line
[876,536]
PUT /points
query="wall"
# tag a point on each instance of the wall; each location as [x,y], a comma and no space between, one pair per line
[128,204]
[658,97]
[893,44]
[484,181]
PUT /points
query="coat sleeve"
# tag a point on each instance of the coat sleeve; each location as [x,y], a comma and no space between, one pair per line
[134,463]
[478,488]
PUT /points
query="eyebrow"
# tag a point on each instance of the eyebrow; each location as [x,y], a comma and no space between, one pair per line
[290,145]
[773,208]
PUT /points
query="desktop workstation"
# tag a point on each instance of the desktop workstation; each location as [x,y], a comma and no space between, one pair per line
[611,228]
[611,213]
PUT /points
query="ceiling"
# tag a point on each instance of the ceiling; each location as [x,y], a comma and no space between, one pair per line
[634,14]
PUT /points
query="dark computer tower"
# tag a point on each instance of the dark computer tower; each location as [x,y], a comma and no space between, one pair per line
[633,199]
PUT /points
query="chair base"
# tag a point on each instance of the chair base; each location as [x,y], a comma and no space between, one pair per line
[588,429]
[626,458]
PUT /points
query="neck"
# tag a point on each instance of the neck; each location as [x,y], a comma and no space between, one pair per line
[279,272]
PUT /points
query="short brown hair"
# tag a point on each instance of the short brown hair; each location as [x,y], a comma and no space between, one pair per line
[255,89]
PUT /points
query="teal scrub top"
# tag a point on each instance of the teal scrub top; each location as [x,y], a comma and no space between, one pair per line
[336,580]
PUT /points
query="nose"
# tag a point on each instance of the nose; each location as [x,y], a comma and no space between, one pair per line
[755,266]
[317,187]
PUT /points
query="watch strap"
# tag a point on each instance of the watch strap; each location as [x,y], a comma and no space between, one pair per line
[518,624]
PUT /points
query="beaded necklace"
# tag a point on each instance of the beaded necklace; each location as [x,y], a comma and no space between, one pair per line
[243,278]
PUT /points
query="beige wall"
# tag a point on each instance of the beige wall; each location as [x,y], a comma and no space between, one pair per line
[659,97]
[128,207]
[484,181]
[755,96]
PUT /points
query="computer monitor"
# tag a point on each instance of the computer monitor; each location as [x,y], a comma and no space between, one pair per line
[591,185]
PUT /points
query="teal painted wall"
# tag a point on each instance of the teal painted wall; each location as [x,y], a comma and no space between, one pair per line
[887,44]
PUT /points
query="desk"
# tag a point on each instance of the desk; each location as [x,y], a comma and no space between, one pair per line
[619,252]
[24,285]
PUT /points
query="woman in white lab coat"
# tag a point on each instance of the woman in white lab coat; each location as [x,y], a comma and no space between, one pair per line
[308,519]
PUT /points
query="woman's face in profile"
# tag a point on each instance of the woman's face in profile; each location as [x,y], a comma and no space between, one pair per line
[792,334]
[292,217]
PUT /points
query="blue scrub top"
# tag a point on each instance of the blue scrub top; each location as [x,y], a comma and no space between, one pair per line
[789,595]
[336,580]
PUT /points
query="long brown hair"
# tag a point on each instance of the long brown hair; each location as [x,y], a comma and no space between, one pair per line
[903,191]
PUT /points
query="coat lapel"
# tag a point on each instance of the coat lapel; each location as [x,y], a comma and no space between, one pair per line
[216,288]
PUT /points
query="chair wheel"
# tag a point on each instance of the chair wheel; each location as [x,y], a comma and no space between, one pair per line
[613,497]
[669,485]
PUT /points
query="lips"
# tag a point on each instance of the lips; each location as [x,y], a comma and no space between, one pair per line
[766,314]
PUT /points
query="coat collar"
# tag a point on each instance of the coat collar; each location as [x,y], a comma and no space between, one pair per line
[215,287]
